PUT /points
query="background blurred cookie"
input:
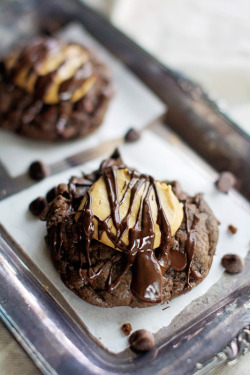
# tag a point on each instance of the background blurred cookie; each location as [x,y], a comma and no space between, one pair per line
[52,90]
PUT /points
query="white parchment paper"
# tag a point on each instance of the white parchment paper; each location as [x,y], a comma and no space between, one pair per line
[133,105]
[163,161]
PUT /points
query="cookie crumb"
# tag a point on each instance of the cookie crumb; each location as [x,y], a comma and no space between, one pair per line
[226,181]
[132,135]
[126,329]
[232,263]
[232,229]
[46,287]
[142,340]
[165,308]
[38,170]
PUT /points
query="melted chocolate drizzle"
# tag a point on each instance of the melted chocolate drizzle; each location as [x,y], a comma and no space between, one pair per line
[147,269]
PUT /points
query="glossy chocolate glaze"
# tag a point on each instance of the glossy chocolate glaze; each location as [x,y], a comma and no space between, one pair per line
[147,269]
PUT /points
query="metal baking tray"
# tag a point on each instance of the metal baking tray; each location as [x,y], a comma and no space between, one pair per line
[42,322]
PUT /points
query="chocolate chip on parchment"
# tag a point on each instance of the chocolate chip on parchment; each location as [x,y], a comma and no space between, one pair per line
[37,206]
[226,181]
[141,340]
[232,263]
[132,135]
[38,170]
[232,229]
[126,329]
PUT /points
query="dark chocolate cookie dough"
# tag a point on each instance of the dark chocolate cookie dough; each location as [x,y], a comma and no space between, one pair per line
[104,276]
[51,90]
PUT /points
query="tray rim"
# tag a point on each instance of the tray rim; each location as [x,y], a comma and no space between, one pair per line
[44,365]
[16,266]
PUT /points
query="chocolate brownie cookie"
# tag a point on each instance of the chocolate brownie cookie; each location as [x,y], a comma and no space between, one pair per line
[118,237]
[51,90]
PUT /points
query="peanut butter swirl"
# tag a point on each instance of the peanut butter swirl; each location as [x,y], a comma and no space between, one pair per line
[147,268]
[52,70]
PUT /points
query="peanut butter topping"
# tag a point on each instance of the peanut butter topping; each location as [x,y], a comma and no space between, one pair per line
[133,213]
[52,70]
[125,182]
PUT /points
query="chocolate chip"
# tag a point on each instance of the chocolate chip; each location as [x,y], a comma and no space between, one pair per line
[52,193]
[231,228]
[132,135]
[232,263]
[141,340]
[38,170]
[226,181]
[37,206]
[126,328]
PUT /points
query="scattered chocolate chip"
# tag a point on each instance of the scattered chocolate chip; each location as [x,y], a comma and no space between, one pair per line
[38,170]
[232,263]
[52,193]
[232,229]
[132,135]
[141,340]
[37,206]
[126,329]
[226,181]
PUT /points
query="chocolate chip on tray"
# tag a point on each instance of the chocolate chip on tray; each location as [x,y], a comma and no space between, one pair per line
[141,340]
[232,263]
[37,206]
[132,135]
[226,181]
[126,329]
[232,229]
[38,170]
